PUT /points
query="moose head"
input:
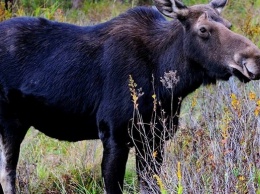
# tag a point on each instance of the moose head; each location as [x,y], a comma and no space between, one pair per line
[209,42]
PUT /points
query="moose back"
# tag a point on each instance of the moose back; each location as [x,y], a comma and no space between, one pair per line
[71,82]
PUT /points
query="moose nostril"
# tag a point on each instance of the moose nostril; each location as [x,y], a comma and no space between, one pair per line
[244,62]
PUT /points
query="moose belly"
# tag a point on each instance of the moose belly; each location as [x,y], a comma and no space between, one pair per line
[67,127]
[54,121]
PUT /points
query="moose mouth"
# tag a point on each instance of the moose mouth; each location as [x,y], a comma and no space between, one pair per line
[245,70]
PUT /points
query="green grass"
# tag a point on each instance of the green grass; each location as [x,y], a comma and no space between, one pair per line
[49,165]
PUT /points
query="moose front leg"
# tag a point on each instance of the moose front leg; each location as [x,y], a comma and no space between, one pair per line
[113,167]
[115,156]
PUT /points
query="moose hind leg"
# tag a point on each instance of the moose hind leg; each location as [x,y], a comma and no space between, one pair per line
[10,141]
[6,177]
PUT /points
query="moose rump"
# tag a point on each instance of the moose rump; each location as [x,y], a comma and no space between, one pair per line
[71,82]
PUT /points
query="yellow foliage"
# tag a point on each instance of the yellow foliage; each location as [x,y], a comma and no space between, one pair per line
[252,96]
[180,187]
[226,119]
[20,12]
[155,153]
[235,103]
[135,93]
[257,111]
[250,27]
[159,182]
[193,102]
[241,177]
[132,85]
[179,171]
[4,14]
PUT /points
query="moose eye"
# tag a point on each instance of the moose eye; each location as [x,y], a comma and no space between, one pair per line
[203,32]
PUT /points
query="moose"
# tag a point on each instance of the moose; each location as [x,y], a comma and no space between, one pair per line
[72,82]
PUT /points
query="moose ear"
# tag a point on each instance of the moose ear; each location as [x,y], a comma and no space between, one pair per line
[172,8]
[218,4]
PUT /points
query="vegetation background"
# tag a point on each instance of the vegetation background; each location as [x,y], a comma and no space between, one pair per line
[217,146]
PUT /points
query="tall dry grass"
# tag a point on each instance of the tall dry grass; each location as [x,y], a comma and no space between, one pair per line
[217,146]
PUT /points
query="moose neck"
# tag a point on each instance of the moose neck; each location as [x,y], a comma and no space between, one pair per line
[171,57]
